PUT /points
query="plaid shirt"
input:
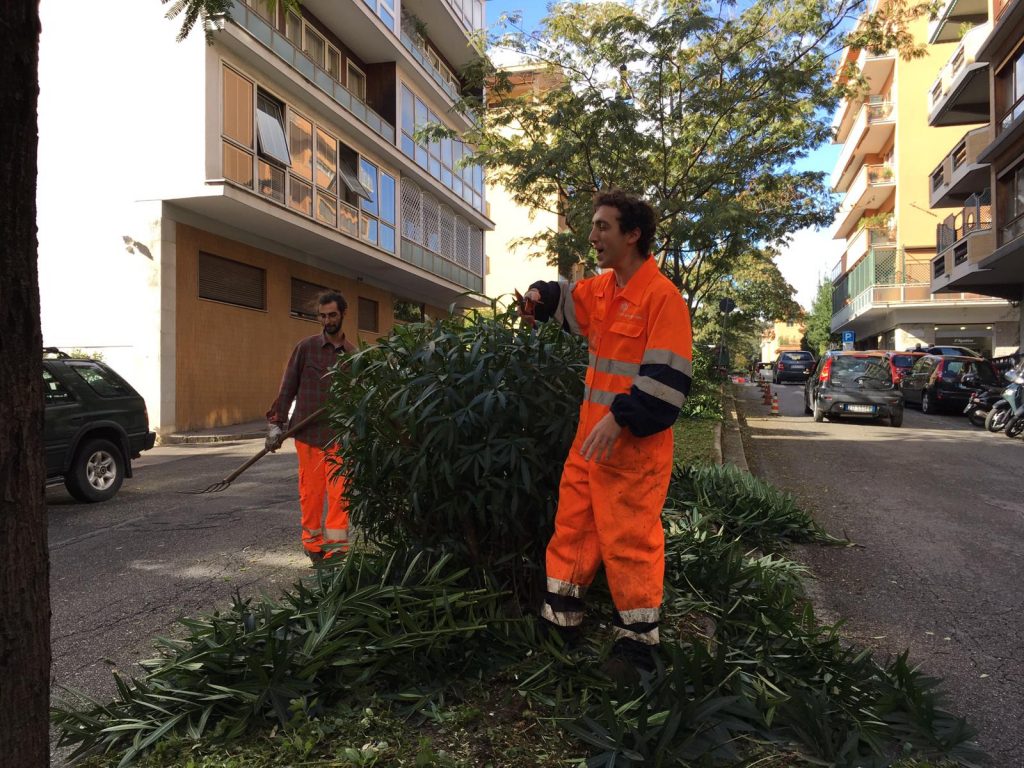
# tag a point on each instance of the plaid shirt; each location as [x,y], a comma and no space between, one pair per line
[306,382]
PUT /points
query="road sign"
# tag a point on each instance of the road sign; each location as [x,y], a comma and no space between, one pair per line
[848,339]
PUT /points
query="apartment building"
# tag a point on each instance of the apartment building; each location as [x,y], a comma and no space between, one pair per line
[980,246]
[781,336]
[225,184]
[882,283]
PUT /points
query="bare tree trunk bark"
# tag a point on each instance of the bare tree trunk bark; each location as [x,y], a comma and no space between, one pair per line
[24,572]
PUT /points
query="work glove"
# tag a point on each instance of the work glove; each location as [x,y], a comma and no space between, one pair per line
[275,437]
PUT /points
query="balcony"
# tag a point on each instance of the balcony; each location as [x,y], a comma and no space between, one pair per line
[454,25]
[961,174]
[960,94]
[881,298]
[870,189]
[974,217]
[946,26]
[283,48]
[870,132]
[876,68]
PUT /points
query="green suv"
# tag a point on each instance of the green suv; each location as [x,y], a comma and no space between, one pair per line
[95,425]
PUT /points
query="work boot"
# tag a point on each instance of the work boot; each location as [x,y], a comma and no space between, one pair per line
[629,662]
[315,557]
[566,638]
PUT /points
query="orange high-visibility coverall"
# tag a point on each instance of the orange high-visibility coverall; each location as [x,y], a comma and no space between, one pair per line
[319,481]
[610,510]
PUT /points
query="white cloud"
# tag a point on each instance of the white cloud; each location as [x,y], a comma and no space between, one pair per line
[809,257]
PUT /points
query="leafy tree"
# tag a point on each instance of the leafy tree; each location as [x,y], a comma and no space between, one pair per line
[819,332]
[701,107]
[761,295]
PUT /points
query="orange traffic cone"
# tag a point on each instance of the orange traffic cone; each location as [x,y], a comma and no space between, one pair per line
[766,395]
[775,404]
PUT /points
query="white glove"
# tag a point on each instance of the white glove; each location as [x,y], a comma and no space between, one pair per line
[275,436]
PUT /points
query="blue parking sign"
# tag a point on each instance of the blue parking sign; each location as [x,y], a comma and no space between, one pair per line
[848,337]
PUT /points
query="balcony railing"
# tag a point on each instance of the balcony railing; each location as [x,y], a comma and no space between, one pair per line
[976,215]
[880,174]
[882,294]
[964,56]
[253,23]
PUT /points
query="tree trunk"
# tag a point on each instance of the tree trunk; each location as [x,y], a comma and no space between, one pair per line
[24,573]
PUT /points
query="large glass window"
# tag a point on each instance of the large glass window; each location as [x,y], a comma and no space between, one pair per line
[270,129]
[356,82]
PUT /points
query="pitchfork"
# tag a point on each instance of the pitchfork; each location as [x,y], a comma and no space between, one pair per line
[223,484]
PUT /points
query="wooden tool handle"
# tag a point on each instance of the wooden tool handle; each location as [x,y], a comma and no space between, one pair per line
[306,421]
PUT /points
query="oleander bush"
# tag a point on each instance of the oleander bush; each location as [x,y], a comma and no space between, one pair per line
[453,435]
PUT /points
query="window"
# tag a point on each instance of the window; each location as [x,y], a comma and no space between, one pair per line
[270,129]
[314,46]
[378,207]
[231,282]
[334,63]
[326,172]
[356,82]
[406,311]
[293,29]
[101,381]
[54,392]
[304,298]
[368,311]
[238,128]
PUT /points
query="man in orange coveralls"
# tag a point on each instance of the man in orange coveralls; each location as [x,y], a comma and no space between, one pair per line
[305,382]
[617,473]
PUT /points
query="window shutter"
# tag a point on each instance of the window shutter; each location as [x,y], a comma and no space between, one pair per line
[304,296]
[231,282]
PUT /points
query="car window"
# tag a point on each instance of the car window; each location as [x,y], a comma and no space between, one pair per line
[53,391]
[849,367]
[924,365]
[103,382]
[877,371]
[903,361]
[983,372]
[796,357]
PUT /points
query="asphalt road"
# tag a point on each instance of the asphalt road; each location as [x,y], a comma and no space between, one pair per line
[936,508]
[124,570]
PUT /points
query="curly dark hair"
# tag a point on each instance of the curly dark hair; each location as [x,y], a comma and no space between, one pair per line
[328,296]
[634,213]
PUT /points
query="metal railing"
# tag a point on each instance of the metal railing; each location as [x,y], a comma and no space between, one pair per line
[976,215]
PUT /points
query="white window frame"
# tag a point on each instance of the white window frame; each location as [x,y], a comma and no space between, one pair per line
[348,80]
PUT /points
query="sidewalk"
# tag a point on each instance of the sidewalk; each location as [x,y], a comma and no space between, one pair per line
[731,448]
[249,430]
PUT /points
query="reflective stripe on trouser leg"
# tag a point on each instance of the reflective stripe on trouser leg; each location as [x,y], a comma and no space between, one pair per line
[640,625]
[573,554]
[336,517]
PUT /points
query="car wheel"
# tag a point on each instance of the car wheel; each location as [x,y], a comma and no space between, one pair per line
[997,417]
[1015,426]
[927,406]
[819,414]
[896,417]
[97,471]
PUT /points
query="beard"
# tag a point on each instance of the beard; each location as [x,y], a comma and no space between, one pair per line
[331,328]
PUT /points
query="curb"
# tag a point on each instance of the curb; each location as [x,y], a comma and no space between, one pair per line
[196,439]
[731,438]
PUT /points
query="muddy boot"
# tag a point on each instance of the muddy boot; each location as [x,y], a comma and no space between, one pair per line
[629,662]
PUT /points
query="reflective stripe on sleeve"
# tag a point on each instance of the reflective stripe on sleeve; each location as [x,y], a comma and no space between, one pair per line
[661,391]
[669,358]
[600,396]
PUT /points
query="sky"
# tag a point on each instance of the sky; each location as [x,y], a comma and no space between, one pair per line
[810,255]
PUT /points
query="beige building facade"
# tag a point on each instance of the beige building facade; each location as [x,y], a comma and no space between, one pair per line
[981,244]
[235,180]
[882,284]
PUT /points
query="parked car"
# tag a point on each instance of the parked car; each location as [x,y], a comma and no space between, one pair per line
[901,362]
[937,381]
[793,366]
[857,384]
[763,371]
[95,424]
[946,350]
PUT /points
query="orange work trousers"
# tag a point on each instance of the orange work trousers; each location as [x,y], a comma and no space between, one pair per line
[610,513]
[322,531]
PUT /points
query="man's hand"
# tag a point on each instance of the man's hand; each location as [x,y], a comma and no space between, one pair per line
[526,303]
[275,437]
[601,440]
